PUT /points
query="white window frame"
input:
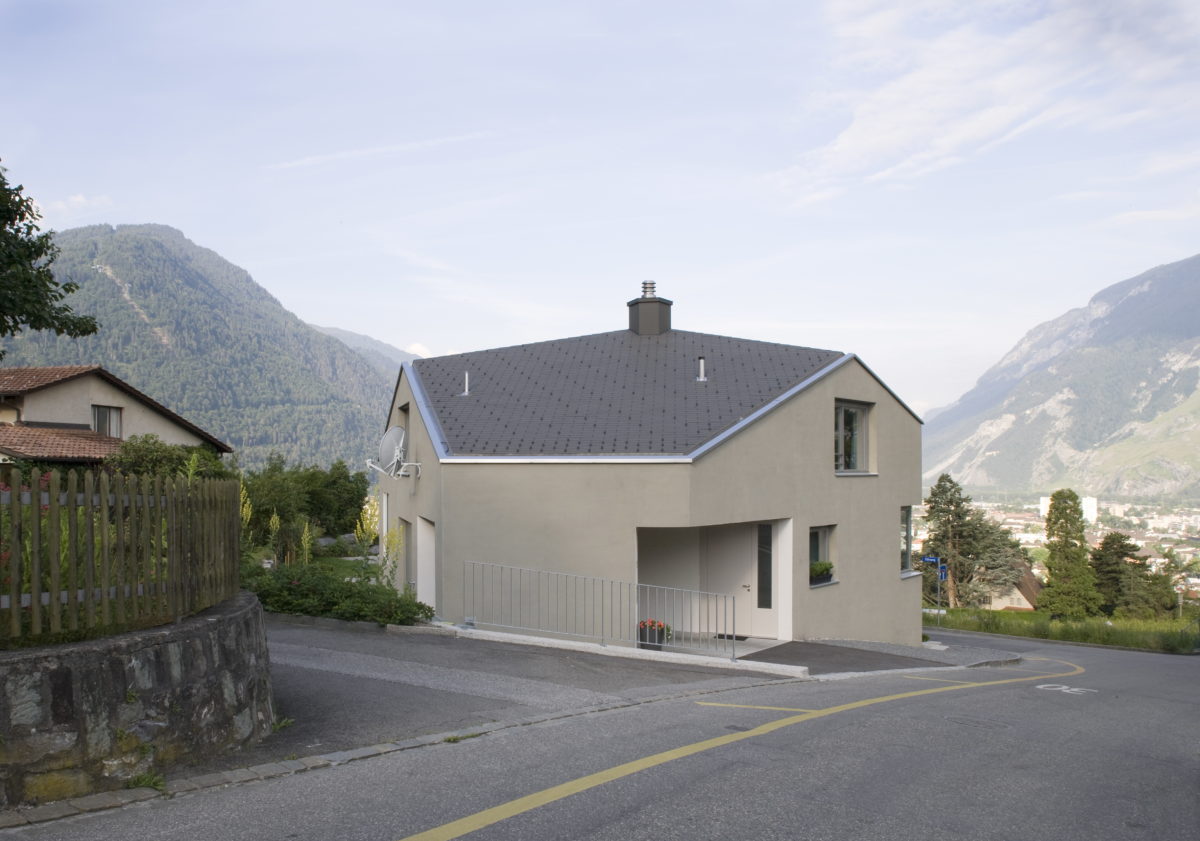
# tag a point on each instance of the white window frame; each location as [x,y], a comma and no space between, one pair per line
[107,414]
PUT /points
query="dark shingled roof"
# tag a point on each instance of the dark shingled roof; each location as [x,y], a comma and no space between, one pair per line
[608,394]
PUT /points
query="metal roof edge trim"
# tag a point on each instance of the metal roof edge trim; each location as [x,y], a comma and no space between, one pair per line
[888,389]
[621,459]
[770,407]
[429,417]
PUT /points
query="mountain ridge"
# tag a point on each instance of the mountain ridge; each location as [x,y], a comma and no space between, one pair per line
[386,358]
[195,332]
[1081,399]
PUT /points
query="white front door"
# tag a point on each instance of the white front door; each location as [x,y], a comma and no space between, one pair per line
[734,565]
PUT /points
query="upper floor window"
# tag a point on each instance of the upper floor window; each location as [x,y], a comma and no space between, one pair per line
[906,537]
[850,436]
[107,420]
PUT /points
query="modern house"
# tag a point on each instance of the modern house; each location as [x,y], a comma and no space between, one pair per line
[79,414]
[665,457]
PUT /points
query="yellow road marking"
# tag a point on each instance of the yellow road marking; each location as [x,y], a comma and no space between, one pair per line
[487,817]
[753,707]
[938,679]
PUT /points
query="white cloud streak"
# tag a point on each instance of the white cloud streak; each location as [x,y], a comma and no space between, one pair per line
[928,85]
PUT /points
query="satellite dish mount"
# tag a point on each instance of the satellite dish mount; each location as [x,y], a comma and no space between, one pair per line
[392,455]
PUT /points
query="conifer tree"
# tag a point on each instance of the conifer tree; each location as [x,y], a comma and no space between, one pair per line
[1071,591]
[981,557]
[1111,561]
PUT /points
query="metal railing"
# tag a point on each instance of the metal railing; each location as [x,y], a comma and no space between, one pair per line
[562,604]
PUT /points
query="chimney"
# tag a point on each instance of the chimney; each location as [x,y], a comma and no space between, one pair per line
[649,315]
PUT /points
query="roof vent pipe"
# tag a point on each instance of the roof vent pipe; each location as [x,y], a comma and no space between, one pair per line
[466,384]
[648,289]
[700,378]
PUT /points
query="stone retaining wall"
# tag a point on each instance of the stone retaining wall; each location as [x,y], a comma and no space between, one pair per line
[90,716]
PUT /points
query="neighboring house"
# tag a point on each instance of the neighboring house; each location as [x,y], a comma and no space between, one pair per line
[1022,596]
[671,458]
[79,414]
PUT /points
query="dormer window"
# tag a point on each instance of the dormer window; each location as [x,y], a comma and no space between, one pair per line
[107,420]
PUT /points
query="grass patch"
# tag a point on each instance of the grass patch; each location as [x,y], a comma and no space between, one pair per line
[147,779]
[282,724]
[453,740]
[1167,635]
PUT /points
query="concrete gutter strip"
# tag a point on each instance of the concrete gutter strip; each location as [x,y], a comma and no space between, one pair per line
[677,658]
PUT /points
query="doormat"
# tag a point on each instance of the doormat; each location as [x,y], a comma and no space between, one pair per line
[732,637]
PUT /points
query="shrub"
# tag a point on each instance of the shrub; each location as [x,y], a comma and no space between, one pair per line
[317,590]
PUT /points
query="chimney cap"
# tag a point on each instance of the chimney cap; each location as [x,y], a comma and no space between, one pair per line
[649,315]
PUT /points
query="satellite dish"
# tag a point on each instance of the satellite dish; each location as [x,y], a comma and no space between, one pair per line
[392,453]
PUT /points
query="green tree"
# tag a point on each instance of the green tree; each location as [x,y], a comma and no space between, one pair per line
[1111,561]
[30,297]
[334,497]
[295,498]
[981,557]
[1071,590]
[149,455]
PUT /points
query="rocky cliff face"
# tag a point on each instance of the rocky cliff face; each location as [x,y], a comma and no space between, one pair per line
[1103,399]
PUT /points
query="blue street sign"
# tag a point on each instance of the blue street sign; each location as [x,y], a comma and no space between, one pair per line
[941,572]
[931,559]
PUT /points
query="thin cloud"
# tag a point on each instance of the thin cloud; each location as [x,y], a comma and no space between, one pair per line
[379,151]
[73,208]
[1185,212]
[935,84]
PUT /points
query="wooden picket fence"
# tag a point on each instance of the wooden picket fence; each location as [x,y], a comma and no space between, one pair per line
[82,552]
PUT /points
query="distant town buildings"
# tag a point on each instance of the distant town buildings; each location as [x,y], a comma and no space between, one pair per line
[1162,531]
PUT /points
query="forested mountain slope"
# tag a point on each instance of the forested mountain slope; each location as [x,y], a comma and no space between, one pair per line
[386,358]
[196,333]
[1103,399]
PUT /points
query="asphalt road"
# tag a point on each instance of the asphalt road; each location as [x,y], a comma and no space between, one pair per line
[1071,743]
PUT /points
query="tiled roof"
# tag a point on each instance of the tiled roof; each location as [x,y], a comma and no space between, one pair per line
[608,394]
[55,443]
[21,381]
[25,380]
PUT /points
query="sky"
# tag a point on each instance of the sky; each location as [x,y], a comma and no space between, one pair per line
[918,182]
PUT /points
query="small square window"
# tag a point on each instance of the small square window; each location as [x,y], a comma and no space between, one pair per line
[107,420]
[820,554]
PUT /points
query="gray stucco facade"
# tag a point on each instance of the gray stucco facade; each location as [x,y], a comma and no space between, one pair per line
[694,518]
